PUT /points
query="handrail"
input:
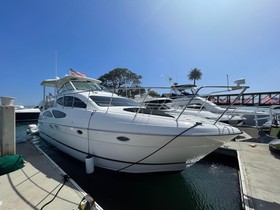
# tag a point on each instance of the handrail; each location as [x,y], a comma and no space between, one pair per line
[229,88]
[195,92]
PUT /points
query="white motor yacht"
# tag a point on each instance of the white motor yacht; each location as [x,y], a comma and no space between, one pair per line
[85,120]
[167,105]
[249,117]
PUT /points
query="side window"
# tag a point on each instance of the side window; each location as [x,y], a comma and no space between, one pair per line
[60,101]
[47,114]
[79,103]
[58,114]
[65,101]
[68,101]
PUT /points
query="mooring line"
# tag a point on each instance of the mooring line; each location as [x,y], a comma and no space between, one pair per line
[196,124]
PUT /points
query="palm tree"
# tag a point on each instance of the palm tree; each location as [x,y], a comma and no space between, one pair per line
[195,74]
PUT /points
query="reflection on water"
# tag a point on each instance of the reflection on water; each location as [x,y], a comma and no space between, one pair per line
[212,183]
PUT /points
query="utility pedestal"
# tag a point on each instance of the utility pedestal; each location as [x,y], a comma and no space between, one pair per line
[7,127]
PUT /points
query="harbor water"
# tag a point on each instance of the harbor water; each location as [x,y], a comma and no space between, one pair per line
[211,183]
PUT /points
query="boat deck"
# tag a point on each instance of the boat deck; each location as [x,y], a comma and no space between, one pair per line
[259,175]
[37,183]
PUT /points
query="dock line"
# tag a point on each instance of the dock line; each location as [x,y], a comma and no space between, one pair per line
[66,178]
[60,169]
[175,137]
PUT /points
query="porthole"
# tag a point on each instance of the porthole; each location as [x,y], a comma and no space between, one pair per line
[122,138]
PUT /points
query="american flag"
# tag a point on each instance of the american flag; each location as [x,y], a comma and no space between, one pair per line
[75,73]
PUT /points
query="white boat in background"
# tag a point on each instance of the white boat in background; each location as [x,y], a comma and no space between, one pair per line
[167,105]
[250,116]
[24,114]
[122,136]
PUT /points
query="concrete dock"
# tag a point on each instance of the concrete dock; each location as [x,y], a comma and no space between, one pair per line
[259,175]
[37,183]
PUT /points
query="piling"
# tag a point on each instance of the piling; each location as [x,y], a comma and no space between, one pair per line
[7,127]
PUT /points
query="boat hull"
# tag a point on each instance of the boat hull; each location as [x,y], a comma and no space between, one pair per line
[131,152]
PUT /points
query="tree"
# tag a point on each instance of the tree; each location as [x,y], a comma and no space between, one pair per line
[195,74]
[153,93]
[121,78]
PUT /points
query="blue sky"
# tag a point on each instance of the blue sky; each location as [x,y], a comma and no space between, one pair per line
[152,38]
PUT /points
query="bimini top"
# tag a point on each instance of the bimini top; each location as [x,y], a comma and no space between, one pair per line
[59,82]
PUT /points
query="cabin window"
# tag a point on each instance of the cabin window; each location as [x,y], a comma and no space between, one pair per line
[109,101]
[70,101]
[47,114]
[60,101]
[79,103]
[58,114]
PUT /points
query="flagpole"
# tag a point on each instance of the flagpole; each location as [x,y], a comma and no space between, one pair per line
[55,68]
[55,60]
[227,81]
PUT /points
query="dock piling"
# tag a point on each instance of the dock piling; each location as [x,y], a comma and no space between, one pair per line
[7,127]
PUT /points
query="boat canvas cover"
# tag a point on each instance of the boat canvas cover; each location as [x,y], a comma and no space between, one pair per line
[57,83]
[10,163]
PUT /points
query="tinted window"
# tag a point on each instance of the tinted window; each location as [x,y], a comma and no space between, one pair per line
[79,103]
[60,101]
[58,114]
[106,101]
[70,101]
[47,114]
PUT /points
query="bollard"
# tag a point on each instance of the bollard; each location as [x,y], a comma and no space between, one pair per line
[7,127]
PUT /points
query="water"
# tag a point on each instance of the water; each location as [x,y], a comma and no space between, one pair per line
[212,183]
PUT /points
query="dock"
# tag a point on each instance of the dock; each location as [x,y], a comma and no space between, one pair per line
[40,184]
[259,175]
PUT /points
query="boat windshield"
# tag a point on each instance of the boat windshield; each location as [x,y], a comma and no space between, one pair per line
[86,85]
[79,85]
[113,101]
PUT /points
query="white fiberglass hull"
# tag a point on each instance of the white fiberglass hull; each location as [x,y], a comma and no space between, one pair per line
[135,147]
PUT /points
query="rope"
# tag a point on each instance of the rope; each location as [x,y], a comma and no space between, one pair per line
[66,177]
[196,124]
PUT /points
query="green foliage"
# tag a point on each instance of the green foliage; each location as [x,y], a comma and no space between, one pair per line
[123,79]
[154,93]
